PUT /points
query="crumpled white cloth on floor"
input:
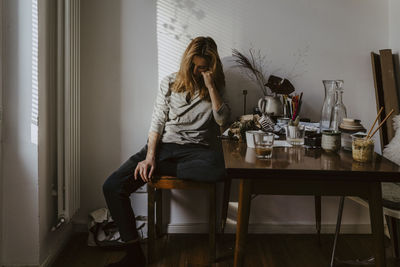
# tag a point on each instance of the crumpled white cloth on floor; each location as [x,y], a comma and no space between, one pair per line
[103,215]
[99,216]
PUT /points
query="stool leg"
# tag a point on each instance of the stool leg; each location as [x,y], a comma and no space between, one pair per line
[151,226]
[337,232]
[393,225]
[212,223]
[225,203]
[158,213]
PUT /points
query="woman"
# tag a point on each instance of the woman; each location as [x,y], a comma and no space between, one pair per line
[181,140]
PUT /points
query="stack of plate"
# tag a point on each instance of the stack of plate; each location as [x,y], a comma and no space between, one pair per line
[349,127]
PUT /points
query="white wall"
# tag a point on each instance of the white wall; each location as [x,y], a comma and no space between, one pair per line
[394,24]
[332,36]
[118,85]
[20,158]
[120,70]
[394,37]
[1,128]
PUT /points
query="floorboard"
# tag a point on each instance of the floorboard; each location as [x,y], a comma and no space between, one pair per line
[276,250]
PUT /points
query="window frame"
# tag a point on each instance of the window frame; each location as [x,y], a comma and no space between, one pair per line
[2,58]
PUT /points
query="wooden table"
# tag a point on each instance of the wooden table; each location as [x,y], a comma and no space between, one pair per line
[300,171]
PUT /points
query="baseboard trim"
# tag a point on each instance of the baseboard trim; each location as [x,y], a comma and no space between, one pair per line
[258,228]
[269,228]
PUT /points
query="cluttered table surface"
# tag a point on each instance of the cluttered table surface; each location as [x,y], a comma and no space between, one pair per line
[241,160]
[301,171]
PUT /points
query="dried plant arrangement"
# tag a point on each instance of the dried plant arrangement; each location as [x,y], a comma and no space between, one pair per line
[254,64]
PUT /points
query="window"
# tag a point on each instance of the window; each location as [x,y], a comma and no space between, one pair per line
[35,84]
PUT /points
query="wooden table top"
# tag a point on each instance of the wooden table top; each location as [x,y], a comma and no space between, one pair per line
[300,163]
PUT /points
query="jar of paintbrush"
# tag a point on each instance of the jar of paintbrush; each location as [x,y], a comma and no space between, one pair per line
[362,148]
[363,145]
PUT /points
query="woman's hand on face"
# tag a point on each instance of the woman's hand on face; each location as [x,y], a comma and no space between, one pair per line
[208,79]
[145,169]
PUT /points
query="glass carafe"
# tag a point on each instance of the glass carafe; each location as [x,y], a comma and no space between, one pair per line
[339,110]
[329,102]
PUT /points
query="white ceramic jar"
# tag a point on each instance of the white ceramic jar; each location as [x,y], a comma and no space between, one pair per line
[331,140]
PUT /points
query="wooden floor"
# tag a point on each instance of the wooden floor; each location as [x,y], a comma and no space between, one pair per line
[262,250]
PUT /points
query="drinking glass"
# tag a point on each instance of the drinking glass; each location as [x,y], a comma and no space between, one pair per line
[263,144]
[295,135]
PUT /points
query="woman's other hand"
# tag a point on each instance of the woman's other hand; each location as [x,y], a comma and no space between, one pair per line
[145,169]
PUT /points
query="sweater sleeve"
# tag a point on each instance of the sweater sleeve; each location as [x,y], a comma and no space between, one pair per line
[222,115]
[161,108]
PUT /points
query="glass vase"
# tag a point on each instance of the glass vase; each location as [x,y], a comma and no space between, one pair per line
[329,102]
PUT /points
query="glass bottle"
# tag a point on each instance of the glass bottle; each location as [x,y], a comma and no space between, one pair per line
[329,102]
[339,110]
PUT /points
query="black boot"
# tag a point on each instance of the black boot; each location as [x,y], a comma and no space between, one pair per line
[134,257]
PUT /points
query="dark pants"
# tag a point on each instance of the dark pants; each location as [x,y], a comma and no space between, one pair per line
[194,162]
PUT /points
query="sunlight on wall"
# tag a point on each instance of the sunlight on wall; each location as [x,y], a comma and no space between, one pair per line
[179,21]
[35,85]
[226,21]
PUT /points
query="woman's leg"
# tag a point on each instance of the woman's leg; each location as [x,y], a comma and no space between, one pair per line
[199,163]
[117,189]
[119,186]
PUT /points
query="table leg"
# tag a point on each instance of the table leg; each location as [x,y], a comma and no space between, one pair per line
[317,201]
[376,215]
[242,221]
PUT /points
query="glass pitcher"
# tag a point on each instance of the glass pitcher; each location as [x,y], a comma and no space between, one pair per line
[329,103]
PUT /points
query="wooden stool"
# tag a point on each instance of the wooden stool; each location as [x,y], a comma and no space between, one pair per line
[155,201]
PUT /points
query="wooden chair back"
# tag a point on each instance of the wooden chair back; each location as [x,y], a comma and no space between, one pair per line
[386,92]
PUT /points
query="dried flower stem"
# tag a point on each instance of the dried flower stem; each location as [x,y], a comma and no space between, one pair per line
[252,65]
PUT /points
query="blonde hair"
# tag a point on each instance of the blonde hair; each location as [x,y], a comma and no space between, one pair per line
[185,81]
